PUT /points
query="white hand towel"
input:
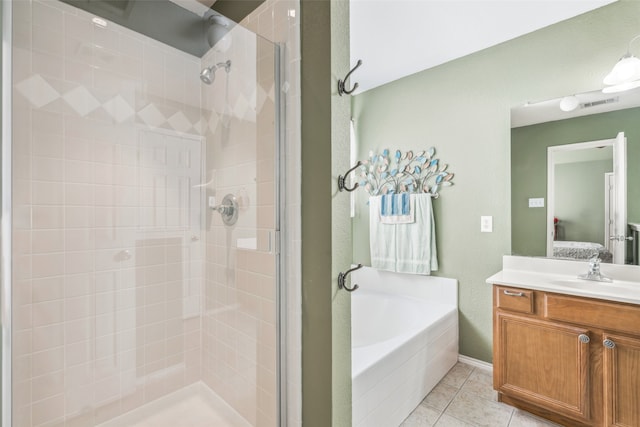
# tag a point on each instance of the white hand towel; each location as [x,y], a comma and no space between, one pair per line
[401,217]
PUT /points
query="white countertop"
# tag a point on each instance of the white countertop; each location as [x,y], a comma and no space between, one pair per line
[562,277]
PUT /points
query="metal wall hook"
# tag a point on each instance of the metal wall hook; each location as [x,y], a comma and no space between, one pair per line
[341,83]
[342,277]
[343,178]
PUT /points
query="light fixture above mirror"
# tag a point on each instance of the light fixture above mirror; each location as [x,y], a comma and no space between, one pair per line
[569,103]
[625,74]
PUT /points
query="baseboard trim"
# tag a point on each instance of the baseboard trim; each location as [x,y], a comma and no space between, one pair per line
[475,362]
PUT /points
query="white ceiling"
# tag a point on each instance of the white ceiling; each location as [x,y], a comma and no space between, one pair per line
[397,38]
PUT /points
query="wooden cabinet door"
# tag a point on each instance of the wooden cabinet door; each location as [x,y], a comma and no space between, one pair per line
[621,362]
[544,363]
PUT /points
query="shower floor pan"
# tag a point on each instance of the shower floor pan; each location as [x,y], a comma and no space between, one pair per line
[194,406]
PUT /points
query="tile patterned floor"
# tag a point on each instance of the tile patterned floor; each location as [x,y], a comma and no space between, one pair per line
[465,398]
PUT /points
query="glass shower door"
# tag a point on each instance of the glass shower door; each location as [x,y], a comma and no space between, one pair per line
[133,302]
[240,319]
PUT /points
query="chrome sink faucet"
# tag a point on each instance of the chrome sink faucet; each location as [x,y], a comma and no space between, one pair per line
[594,271]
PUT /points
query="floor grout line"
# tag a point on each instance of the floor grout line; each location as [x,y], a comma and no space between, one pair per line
[513,412]
[454,397]
[459,389]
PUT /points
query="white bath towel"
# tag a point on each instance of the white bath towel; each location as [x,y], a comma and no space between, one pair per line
[416,243]
[404,248]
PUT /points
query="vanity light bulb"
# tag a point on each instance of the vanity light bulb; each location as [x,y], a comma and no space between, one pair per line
[621,87]
[569,103]
[625,71]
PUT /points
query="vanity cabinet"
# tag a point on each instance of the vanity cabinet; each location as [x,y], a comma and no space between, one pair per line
[573,360]
[544,363]
[621,365]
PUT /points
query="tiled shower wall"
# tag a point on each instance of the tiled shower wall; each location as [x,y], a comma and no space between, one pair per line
[107,252]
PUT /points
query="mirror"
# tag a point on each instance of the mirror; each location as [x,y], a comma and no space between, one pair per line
[559,206]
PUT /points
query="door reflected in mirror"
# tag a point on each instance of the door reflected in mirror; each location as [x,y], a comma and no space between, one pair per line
[555,157]
[582,184]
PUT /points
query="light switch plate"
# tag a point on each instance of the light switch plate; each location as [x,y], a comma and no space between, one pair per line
[486,224]
[536,203]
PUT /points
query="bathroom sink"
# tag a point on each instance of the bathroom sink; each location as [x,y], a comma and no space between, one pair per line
[594,286]
[560,276]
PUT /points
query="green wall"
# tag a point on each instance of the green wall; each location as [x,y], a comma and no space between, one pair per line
[462,108]
[325,228]
[529,169]
[341,242]
[579,200]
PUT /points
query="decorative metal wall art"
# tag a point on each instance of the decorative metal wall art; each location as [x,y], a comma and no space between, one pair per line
[398,172]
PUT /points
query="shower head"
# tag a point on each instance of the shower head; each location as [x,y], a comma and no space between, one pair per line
[208,74]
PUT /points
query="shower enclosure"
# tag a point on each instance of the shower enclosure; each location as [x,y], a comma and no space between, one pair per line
[129,297]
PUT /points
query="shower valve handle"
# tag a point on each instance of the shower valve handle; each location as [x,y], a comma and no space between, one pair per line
[223,209]
[228,210]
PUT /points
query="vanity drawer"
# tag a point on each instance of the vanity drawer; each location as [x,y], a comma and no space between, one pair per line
[514,299]
[600,314]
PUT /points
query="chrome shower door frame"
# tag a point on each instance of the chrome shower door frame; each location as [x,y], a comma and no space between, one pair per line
[5,224]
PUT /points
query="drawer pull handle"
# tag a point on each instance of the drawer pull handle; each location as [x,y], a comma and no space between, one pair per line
[584,338]
[513,294]
[608,343]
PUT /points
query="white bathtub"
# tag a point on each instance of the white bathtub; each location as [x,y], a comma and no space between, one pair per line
[404,339]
